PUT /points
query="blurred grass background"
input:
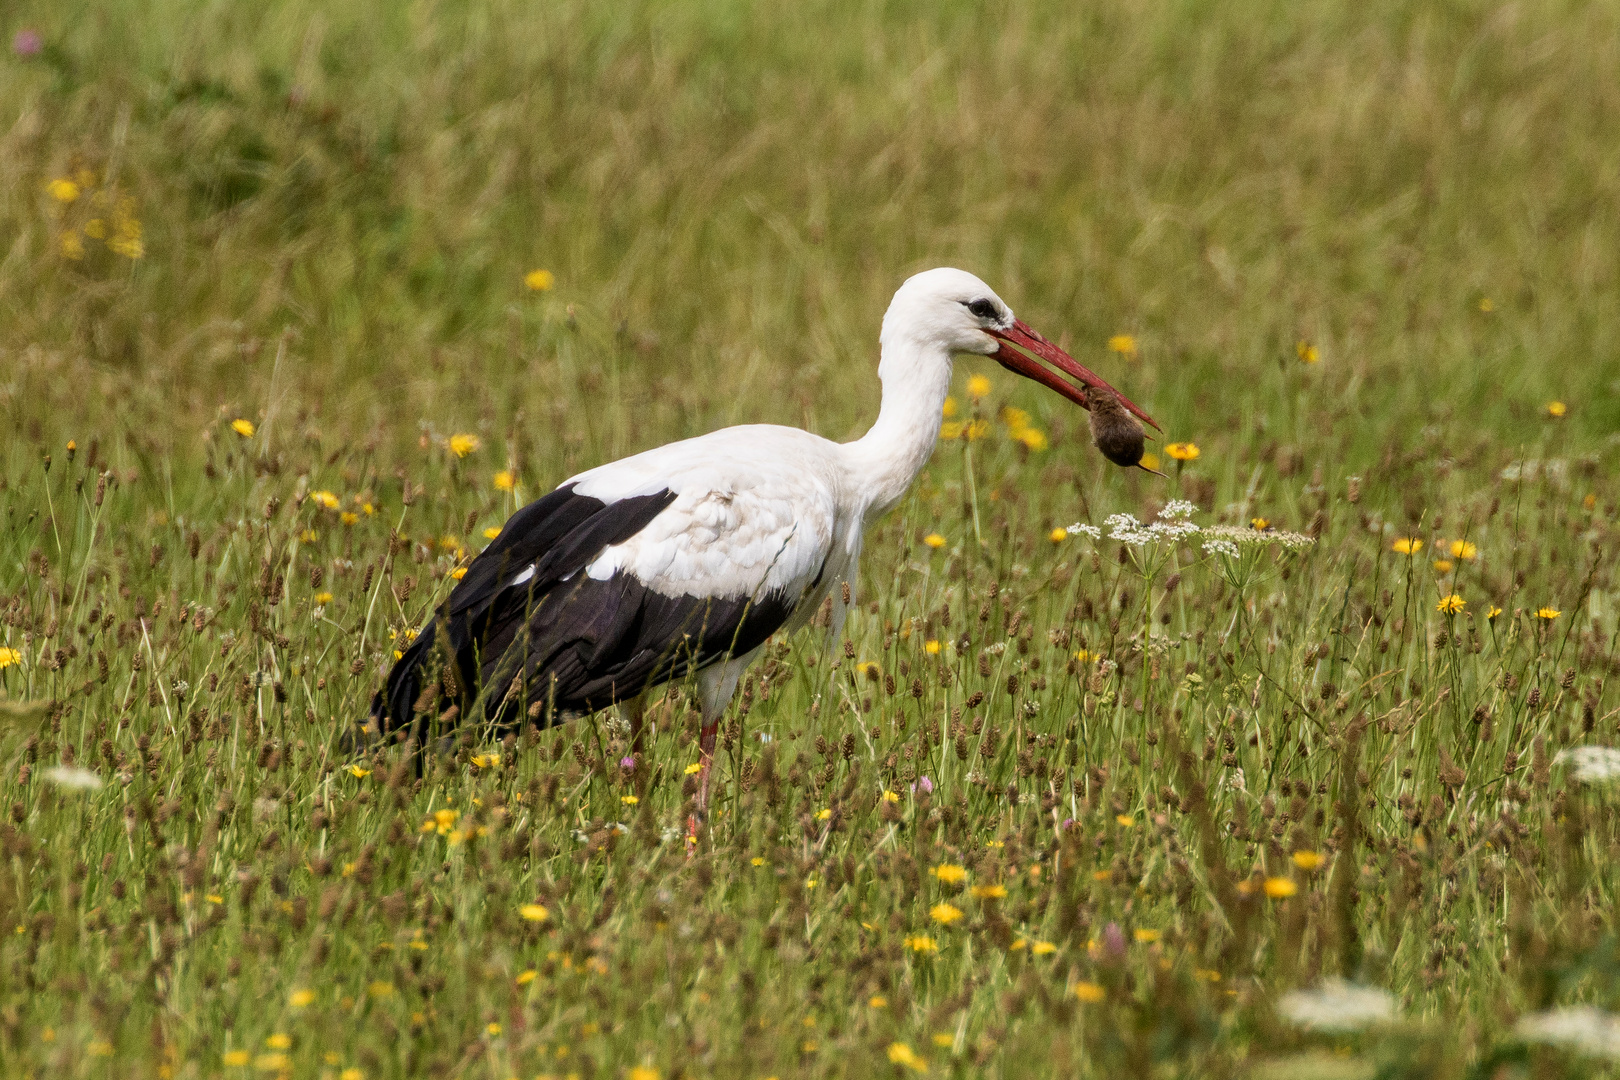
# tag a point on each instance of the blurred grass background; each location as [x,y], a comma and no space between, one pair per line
[320,218]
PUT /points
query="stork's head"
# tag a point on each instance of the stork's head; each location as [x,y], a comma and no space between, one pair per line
[951,311]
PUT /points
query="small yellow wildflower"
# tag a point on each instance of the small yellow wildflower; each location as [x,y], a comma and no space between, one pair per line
[903,1055]
[1307,352]
[358,773]
[1125,820]
[1492,612]
[322,599]
[1548,613]
[272,1062]
[237,1057]
[1407,545]
[351,1073]
[949,409]
[1089,992]
[534,912]
[989,892]
[1057,536]
[214,898]
[62,190]
[978,386]
[1259,524]
[524,978]
[1556,409]
[308,536]
[1309,860]
[891,796]
[464,443]
[486,761]
[1207,974]
[878,1001]
[1043,948]
[944,914]
[1183,451]
[505,481]
[1442,566]
[458,573]
[1487,305]
[944,1040]
[1034,438]
[757,860]
[921,943]
[1146,936]
[1450,604]
[539,280]
[629,800]
[325,499]
[1462,549]
[492,532]
[243,427]
[8,657]
[693,769]
[279,1041]
[1124,344]
[949,873]
[934,540]
[1280,888]
[931,647]
[495,1029]
[298,999]
[824,813]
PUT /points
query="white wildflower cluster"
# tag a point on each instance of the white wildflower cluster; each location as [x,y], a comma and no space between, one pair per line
[1578,1027]
[1336,1005]
[1175,524]
[1592,764]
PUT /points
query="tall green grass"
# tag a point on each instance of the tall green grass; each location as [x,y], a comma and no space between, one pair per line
[337,207]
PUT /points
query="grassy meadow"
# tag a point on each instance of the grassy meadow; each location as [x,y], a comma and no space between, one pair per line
[1292,800]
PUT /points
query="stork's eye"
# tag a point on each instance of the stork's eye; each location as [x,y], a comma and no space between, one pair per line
[983,309]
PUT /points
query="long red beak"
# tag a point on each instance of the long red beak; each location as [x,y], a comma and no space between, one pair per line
[1023,337]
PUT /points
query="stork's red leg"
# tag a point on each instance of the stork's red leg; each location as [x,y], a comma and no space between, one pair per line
[705,761]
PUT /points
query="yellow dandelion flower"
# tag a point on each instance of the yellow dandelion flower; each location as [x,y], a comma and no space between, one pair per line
[63,190]
[358,773]
[878,1001]
[243,427]
[1015,419]
[1125,820]
[1492,612]
[1089,992]
[524,978]
[949,873]
[1043,948]
[349,517]
[351,1073]
[1033,438]
[1307,352]
[693,769]
[757,860]
[1407,545]
[1548,613]
[539,280]
[458,573]
[1207,974]
[921,943]
[486,761]
[1259,524]
[903,1055]
[1183,451]
[1057,536]
[534,912]
[931,647]
[1462,549]
[325,499]
[1443,566]
[505,480]
[978,386]
[464,443]
[891,796]
[1309,860]
[934,540]
[495,1029]
[950,432]
[944,914]
[323,598]
[976,429]
[298,999]
[237,1057]
[308,536]
[629,800]
[823,814]
[1556,409]
[949,408]
[1146,936]
[8,657]
[1124,344]
[279,1041]
[943,1040]
[989,892]
[1450,604]
[643,1072]
[492,532]
[1280,888]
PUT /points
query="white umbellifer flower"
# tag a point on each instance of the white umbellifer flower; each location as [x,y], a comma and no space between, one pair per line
[1577,1027]
[1336,1005]
[72,778]
[1592,764]
[1080,529]
[1175,524]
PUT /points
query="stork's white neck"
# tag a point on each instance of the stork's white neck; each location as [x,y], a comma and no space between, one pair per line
[915,376]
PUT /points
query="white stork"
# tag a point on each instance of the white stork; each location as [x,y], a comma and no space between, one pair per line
[684,559]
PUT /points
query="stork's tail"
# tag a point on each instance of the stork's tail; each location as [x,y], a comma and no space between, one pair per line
[393,707]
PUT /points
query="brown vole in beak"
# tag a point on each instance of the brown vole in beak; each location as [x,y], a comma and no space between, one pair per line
[1114,430]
